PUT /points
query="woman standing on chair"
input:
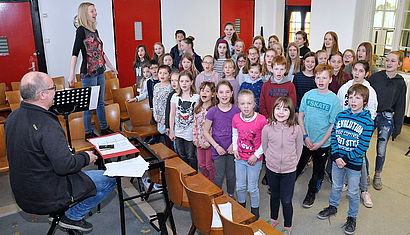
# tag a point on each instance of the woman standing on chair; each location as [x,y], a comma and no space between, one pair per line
[92,69]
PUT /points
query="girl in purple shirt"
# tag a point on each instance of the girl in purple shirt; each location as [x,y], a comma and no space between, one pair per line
[219,118]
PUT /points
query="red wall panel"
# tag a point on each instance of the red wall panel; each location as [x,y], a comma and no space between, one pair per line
[298,2]
[15,18]
[126,12]
[244,10]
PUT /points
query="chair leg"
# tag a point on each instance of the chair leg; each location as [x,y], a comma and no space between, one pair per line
[192,230]
[408,152]
[151,185]
[53,226]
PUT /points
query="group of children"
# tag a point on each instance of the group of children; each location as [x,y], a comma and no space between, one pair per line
[233,114]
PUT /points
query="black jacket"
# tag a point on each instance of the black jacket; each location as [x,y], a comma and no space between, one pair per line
[44,175]
[391,97]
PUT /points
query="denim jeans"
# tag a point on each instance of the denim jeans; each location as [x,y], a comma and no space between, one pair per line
[98,80]
[384,123]
[282,186]
[247,173]
[225,165]
[353,178]
[104,186]
[363,176]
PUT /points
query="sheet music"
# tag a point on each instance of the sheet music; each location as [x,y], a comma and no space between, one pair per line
[226,211]
[120,142]
[134,167]
[95,92]
[259,232]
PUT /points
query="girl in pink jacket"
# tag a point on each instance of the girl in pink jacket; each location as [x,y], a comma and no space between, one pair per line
[282,143]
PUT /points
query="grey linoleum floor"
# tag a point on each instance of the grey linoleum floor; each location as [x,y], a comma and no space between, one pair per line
[389,215]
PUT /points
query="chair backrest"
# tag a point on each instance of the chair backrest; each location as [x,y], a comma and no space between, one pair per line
[2,93]
[14,106]
[13,97]
[15,86]
[78,77]
[59,81]
[108,75]
[112,113]
[78,84]
[2,141]
[201,208]
[140,113]
[121,95]
[175,187]
[77,130]
[231,227]
[110,85]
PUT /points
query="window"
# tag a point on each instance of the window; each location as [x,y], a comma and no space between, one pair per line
[391,26]
[296,24]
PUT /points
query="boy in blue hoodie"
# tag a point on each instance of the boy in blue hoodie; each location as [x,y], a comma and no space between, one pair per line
[254,83]
[350,140]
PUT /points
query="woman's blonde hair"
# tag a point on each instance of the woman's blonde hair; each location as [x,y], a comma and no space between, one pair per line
[297,63]
[82,18]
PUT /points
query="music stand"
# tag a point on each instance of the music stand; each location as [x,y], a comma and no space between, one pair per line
[71,101]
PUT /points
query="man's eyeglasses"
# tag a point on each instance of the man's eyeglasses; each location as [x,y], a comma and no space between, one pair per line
[51,88]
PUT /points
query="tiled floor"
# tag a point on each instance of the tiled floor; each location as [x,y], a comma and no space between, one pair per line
[390,214]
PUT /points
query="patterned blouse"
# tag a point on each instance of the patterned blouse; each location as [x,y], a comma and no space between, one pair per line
[199,120]
[160,100]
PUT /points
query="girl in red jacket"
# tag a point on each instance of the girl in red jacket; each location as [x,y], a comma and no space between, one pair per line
[282,143]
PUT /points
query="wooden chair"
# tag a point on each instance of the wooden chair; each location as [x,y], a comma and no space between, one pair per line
[4,106]
[140,116]
[59,82]
[14,106]
[110,85]
[108,75]
[77,133]
[112,114]
[176,191]
[231,227]
[13,97]
[120,96]
[201,210]
[78,77]
[15,86]
[78,84]
[4,165]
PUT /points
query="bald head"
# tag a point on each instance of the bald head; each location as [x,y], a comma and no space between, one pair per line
[32,83]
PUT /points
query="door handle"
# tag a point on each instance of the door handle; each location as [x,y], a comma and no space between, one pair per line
[33,66]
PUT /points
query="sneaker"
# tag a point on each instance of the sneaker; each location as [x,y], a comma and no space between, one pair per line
[286,231]
[344,189]
[309,200]
[272,222]
[80,225]
[90,135]
[350,225]
[107,131]
[377,183]
[367,201]
[327,212]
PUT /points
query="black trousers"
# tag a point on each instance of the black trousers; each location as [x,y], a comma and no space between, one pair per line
[319,158]
[281,187]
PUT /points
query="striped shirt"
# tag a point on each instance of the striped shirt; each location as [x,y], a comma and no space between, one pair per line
[350,137]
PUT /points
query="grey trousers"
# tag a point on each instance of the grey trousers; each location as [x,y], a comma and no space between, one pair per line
[225,165]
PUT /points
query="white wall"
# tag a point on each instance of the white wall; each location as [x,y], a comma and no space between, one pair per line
[198,18]
[271,15]
[59,32]
[348,18]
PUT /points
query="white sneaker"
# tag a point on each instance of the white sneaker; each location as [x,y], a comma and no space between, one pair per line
[367,201]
